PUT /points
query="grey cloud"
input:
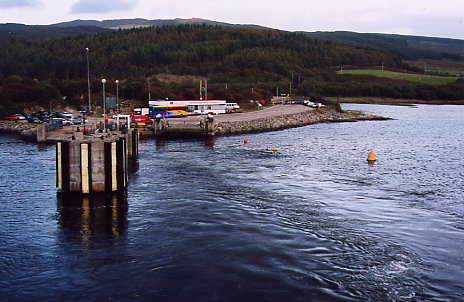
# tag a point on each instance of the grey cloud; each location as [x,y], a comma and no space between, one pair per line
[17,3]
[101,6]
[426,25]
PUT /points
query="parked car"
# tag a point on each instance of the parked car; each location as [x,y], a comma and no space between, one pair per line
[141,120]
[77,121]
[65,115]
[83,110]
[43,116]
[15,117]
[232,107]
[34,120]
[62,121]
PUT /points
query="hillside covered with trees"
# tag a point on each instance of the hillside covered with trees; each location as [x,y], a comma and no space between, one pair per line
[239,63]
[12,31]
[406,47]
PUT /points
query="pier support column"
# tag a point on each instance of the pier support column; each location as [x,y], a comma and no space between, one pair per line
[133,137]
[157,125]
[97,164]
[94,166]
[209,124]
[42,133]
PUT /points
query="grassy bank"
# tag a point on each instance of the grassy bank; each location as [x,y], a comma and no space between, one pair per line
[444,67]
[410,77]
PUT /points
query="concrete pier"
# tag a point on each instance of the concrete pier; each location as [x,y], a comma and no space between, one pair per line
[95,165]
[267,119]
[195,126]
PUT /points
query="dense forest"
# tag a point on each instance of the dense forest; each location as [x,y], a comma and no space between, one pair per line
[406,47]
[216,52]
[12,31]
[239,63]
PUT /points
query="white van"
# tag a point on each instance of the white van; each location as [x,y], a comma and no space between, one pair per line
[232,107]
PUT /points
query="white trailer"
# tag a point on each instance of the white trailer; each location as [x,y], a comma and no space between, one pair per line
[142,111]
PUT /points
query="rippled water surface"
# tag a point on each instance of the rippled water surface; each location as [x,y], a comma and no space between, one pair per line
[220,220]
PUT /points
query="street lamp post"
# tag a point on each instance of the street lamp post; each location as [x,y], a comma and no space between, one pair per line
[117,95]
[104,104]
[88,77]
[117,102]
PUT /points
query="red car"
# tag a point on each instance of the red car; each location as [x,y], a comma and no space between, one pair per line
[141,120]
[15,117]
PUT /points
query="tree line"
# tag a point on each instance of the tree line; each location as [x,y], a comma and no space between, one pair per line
[184,49]
[240,63]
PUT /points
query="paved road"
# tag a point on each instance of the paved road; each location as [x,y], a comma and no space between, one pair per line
[266,112]
[277,110]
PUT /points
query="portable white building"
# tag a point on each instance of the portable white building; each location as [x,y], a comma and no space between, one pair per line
[195,106]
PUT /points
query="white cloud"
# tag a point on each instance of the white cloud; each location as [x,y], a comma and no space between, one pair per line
[17,3]
[102,6]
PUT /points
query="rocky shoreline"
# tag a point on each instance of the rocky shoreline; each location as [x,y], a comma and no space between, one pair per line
[25,131]
[271,119]
[292,120]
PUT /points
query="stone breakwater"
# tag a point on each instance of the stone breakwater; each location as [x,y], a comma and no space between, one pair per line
[290,120]
[25,131]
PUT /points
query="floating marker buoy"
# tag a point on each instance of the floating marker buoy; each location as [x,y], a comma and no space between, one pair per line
[274,149]
[245,141]
[371,157]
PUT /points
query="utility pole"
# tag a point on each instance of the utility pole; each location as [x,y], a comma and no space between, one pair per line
[149,88]
[201,89]
[204,90]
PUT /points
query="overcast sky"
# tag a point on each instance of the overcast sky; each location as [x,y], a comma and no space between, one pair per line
[415,17]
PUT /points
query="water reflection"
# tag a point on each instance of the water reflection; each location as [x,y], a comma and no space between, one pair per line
[207,141]
[43,147]
[133,165]
[93,215]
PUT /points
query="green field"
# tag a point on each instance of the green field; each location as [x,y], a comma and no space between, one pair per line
[442,67]
[416,78]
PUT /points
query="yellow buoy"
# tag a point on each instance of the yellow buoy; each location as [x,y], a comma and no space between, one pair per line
[274,149]
[371,157]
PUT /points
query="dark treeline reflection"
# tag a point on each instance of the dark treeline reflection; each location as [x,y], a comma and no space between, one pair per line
[93,215]
[163,141]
